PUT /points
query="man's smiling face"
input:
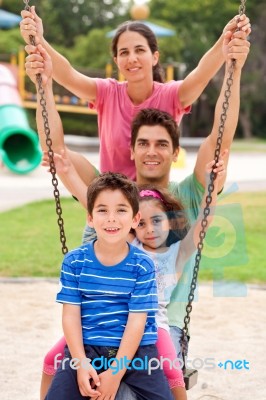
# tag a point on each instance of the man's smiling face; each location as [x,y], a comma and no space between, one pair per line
[153,155]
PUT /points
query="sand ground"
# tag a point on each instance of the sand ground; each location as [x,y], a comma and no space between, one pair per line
[222,328]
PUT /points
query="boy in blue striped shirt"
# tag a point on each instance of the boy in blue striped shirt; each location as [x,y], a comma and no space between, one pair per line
[109,296]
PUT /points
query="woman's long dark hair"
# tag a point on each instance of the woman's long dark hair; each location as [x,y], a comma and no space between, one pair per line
[147,33]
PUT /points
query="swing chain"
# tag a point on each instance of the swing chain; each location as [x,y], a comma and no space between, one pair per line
[206,211]
[242,7]
[47,131]
[27,7]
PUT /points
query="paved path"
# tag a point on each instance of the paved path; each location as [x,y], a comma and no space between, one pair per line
[247,170]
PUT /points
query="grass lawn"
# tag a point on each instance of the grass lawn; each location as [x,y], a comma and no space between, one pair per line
[29,237]
[235,243]
[235,247]
[249,145]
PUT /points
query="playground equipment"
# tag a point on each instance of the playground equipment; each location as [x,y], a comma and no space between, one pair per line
[66,103]
[19,144]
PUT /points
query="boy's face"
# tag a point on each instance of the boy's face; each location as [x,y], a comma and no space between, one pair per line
[153,155]
[112,216]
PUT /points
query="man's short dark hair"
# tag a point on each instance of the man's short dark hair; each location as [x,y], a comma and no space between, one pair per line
[153,117]
[113,181]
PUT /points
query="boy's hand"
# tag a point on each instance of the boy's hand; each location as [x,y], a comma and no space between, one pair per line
[109,384]
[31,25]
[85,388]
[39,62]
[62,162]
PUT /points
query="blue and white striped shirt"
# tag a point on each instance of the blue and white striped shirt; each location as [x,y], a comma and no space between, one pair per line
[106,294]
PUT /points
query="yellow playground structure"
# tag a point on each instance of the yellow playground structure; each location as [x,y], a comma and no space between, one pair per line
[68,103]
[64,103]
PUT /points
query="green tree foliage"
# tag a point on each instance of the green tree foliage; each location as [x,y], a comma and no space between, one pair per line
[14,6]
[92,50]
[197,23]
[253,109]
[10,41]
[77,28]
[66,19]
[170,49]
[198,26]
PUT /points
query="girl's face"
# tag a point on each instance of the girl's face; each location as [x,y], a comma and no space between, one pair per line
[153,228]
[134,57]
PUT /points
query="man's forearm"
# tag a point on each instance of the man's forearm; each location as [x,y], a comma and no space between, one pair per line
[207,148]
[190,242]
[74,184]
[55,124]
[232,111]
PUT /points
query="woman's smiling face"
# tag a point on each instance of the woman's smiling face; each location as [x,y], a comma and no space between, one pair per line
[134,57]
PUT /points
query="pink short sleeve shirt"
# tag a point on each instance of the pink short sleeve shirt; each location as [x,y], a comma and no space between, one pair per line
[115,114]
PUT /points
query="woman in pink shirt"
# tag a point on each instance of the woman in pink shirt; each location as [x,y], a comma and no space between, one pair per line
[135,51]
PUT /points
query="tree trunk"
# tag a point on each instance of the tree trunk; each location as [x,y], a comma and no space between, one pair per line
[245,124]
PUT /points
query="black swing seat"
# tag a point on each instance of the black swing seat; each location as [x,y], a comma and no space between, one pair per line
[190,378]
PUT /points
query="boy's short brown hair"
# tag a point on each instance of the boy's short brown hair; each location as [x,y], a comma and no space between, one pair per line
[153,117]
[113,181]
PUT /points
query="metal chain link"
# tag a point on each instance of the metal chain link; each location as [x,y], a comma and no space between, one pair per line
[242,7]
[49,144]
[206,211]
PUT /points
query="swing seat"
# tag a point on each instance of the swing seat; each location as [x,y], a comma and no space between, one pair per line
[190,378]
